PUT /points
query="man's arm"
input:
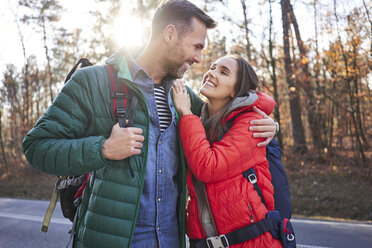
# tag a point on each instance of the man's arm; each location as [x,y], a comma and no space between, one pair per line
[58,143]
[263,128]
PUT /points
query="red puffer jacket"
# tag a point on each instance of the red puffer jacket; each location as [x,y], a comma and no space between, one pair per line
[232,199]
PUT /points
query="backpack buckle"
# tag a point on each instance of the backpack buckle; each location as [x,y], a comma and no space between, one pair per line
[252,178]
[290,237]
[119,95]
[217,242]
[121,112]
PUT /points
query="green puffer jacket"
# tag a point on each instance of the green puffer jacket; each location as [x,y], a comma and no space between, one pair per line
[67,140]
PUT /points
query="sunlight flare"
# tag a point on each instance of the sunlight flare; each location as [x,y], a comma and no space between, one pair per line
[128,29]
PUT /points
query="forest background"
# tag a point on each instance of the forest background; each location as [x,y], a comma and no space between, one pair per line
[313,57]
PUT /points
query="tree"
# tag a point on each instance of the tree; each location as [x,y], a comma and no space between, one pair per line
[351,80]
[246,30]
[294,92]
[2,145]
[306,83]
[273,75]
[10,94]
[44,14]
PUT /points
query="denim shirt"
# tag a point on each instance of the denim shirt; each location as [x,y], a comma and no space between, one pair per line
[157,217]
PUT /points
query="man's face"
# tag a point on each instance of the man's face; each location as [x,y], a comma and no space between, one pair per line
[187,50]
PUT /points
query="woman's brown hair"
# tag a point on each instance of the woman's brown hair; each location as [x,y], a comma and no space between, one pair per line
[247,81]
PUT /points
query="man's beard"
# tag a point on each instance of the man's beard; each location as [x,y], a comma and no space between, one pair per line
[173,62]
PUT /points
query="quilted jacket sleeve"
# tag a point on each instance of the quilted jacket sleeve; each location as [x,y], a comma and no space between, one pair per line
[58,144]
[235,153]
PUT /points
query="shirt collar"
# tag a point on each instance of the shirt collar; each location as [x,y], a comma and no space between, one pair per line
[134,68]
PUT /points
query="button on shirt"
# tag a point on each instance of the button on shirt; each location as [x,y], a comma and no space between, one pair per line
[157,217]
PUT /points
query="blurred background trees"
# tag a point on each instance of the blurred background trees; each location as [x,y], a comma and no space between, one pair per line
[318,71]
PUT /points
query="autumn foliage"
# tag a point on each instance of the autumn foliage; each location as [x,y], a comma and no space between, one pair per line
[322,84]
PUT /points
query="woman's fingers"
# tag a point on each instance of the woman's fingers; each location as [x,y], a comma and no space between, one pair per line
[179,86]
[176,86]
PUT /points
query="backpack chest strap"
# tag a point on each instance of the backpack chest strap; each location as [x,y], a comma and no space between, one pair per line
[238,236]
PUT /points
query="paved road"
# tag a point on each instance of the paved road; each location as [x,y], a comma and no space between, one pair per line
[20,222]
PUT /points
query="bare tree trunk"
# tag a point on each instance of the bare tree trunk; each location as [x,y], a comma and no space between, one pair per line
[273,77]
[1,141]
[49,70]
[357,97]
[248,45]
[350,91]
[331,118]
[320,88]
[26,85]
[312,107]
[39,96]
[370,22]
[297,126]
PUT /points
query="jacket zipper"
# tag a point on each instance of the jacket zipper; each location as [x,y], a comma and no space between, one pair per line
[200,227]
[251,212]
[197,207]
[210,210]
[139,92]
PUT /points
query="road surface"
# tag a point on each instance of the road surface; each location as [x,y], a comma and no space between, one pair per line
[20,222]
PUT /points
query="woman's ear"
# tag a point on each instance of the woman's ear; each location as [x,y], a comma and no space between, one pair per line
[170,34]
[234,93]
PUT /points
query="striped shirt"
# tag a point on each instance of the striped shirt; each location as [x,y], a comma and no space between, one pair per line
[165,115]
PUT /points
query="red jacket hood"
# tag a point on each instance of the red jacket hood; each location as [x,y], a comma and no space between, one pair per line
[244,104]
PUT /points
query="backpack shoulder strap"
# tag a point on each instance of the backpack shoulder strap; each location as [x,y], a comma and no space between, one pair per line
[119,96]
[251,176]
[84,63]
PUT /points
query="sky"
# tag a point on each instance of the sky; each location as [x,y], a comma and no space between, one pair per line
[10,47]
[78,12]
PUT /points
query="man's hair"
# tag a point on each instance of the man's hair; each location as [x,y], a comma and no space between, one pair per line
[179,13]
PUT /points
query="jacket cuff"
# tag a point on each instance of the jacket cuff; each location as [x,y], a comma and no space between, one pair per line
[186,118]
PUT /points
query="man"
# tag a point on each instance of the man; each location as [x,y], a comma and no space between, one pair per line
[136,196]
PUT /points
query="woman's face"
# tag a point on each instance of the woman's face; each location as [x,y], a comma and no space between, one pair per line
[219,81]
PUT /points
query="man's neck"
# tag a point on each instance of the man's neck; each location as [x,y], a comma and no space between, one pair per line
[150,61]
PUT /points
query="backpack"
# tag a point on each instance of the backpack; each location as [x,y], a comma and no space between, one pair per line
[279,178]
[70,189]
[277,222]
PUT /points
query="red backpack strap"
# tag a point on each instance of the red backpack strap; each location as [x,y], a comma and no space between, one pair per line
[119,95]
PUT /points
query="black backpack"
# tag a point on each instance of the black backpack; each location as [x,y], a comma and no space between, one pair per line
[69,189]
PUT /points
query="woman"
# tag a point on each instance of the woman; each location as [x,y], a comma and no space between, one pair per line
[221,198]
